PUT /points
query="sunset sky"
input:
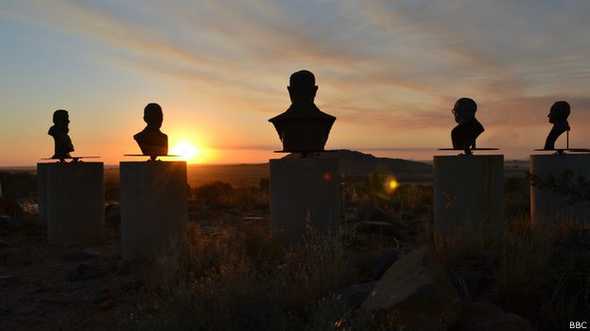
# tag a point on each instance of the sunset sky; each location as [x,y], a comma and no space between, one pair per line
[388,70]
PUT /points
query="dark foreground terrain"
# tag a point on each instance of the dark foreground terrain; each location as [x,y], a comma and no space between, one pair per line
[381,271]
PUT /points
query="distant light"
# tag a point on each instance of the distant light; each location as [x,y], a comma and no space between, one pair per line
[392,185]
[327,176]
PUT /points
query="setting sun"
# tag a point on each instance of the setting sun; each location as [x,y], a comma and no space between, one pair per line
[187,150]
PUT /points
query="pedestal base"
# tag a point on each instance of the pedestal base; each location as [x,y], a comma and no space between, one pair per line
[42,190]
[71,199]
[549,207]
[154,209]
[468,196]
[304,192]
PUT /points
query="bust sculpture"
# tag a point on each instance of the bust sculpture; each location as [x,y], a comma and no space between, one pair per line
[59,131]
[151,140]
[303,127]
[469,128]
[558,117]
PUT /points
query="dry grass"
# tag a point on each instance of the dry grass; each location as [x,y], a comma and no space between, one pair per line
[238,278]
[540,273]
[242,280]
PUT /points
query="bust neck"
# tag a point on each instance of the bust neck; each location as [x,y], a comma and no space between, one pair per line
[303,106]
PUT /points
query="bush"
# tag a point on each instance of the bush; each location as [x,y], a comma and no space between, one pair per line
[223,195]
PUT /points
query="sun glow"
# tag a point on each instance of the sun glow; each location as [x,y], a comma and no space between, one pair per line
[392,185]
[187,151]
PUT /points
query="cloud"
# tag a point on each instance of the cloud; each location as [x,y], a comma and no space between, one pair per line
[500,47]
[380,64]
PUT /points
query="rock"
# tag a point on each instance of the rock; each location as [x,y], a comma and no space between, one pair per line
[483,316]
[400,281]
[432,307]
[421,298]
[353,296]
[84,271]
[384,261]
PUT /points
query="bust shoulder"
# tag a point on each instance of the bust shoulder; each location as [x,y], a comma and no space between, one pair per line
[139,136]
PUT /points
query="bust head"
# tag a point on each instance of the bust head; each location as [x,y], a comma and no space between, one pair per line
[302,87]
[464,110]
[153,116]
[59,131]
[151,140]
[61,119]
[559,112]
[558,117]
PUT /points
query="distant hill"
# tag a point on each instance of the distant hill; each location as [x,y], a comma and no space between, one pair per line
[355,163]
[351,164]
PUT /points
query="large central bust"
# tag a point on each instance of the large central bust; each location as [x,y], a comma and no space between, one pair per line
[303,127]
[468,127]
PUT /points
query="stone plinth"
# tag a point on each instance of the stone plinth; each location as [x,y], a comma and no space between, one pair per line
[154,208]
[550,207]
[304,192]
[71,200]
[468,196]
[42,190]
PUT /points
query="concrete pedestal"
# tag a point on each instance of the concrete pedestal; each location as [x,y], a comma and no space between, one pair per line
[468,197]
[42,190]
[304,192]
[548,207]
[71,200]
[154,208]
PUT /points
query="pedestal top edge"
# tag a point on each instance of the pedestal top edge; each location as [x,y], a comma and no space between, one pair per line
[70,164]
[557,156]
[307,159]
[121,163]
[467,157]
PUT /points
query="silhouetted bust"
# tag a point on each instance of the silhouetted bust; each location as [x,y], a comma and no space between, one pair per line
[151,140]
[303,127]
[59,132]
[558,117]
[468,128]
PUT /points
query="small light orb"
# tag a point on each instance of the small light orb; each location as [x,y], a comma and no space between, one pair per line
[392,185]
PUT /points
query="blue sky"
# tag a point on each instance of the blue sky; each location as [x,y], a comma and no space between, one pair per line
[389,70]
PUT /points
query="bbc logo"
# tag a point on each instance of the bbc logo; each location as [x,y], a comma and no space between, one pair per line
[576,325]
